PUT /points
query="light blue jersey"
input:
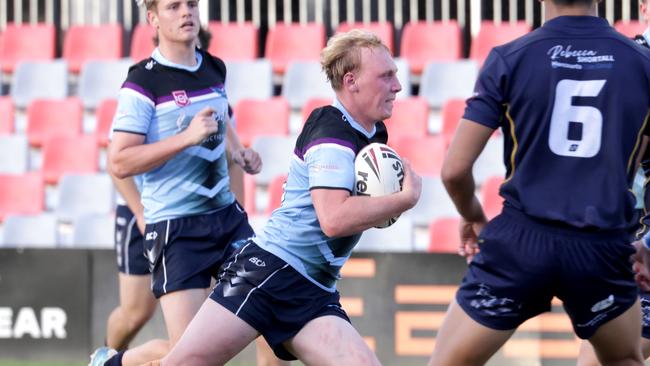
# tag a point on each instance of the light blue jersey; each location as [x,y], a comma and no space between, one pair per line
[323,159]
[158,100]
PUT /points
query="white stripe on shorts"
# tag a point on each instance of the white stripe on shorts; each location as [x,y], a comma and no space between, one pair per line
[127,243]
[260,285]
[163,258]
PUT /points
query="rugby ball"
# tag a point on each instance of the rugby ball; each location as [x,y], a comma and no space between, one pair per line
[378,172]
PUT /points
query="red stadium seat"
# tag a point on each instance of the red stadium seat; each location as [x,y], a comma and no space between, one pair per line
[233,41]
[105,113]
[142,44]
[261,117]
[69,155]
[491,35]
[312,104]
[410,119]
[293,42]
[6,116]
[452,112]
[91,42]
[275,191]
[425,153]
[444,235]
[26,43]
[383,30]
[490,198]
[22,194]
[631,28]
[53,117]
[424,42]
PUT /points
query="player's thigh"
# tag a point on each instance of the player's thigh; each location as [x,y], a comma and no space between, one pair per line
[620,338]
[179,307]
[331,340]
[462,341]
[265,355]
[136,297]
[214,336]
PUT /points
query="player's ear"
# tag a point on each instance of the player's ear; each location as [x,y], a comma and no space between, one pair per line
[350,82]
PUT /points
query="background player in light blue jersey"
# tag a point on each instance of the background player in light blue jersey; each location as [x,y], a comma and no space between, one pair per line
[572,98]
[282,284]
[171,127]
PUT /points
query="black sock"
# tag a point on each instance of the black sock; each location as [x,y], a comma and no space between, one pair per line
[115,360]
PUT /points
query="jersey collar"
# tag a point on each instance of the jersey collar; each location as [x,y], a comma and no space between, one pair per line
[156,55]
[347,117]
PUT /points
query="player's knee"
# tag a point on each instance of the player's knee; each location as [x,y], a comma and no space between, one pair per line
[136,319]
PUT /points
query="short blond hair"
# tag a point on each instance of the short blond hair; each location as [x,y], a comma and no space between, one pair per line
[343,54]
[148,4]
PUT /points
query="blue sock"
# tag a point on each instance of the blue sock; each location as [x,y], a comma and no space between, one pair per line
[115,360]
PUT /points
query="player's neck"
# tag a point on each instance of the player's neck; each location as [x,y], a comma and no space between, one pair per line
[552,10]
[178,53]
[356,112]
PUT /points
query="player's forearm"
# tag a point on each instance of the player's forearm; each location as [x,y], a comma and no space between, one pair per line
[461,188]
[233,143]
[127,188]
[141,158]
[358,213]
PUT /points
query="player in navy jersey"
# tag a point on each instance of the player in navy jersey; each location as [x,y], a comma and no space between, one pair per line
[282,283]
[171,127]
[572,98]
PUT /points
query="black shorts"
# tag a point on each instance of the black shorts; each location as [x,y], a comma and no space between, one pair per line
[523,263]
[129,243]
[185,253]
[272,297]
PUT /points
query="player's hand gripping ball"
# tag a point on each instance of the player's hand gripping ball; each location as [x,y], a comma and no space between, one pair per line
[379,172]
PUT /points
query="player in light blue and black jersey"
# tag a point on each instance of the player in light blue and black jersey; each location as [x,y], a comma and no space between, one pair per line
[572,100]
[282,283]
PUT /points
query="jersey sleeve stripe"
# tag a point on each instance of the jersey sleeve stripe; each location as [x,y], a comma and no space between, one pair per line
[137,90]
[127,131]
[327,142]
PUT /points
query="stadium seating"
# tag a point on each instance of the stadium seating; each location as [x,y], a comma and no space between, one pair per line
[404,77]
[43,79]
[383,30]
[425,42]
[410,118]
[7,125]
[631,28]
[142,42]
[84,194]
[91,42]
[14,154]
[277,152]
[69,155]
[490,162]
[53,117]
[452,112]
[269,117]
[95,231]
[25,42]
[21,194]
[293,42]
[30,231]
[275,192]
[249,80]
[434,203]
[303,81]
[490,199]
[104,114]
[445,80]
[100,80]
[491,35]
[444,235]
[312,104]
[233,41]
[395,238]
[425,153]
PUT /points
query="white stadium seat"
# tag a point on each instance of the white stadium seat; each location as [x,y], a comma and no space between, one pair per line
[30,231]
[44,79]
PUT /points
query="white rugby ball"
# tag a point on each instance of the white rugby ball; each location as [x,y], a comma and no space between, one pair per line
[379,172]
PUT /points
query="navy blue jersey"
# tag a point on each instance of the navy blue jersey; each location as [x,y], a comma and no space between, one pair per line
[572,98]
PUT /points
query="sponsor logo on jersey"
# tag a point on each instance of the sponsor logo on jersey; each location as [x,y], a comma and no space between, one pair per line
[603,304]
[181,98]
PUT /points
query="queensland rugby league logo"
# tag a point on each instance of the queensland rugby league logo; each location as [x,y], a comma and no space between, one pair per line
[181,98]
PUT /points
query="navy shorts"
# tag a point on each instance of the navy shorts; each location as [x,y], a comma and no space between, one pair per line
[271,296]
[185,253]
[523,263]
[129,243]
[645,308]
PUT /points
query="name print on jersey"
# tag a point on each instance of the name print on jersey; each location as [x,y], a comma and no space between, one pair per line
[578,57]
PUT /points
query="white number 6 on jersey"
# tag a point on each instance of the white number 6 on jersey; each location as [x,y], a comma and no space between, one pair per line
[564,113]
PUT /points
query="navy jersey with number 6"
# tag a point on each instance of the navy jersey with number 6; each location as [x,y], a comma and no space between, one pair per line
[572,100]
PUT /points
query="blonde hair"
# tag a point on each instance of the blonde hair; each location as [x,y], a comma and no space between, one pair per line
[148,4]
[343,54]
